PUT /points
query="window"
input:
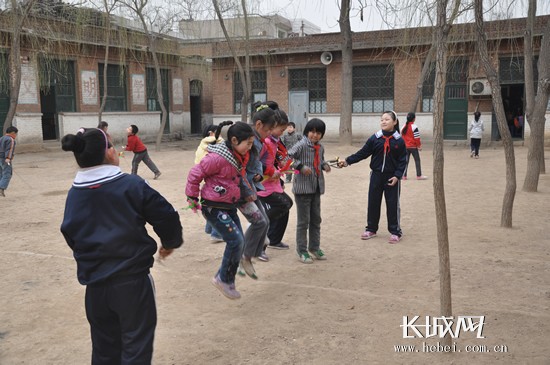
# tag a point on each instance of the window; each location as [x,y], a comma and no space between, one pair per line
[313,80]
[259,88]
[58,77]
[372,88]
[428,90]
[116,87]
[457,72]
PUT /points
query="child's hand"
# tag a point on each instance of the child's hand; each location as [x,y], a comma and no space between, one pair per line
[342,163]
[392,181]
[306,171]
[327,168]
[165,252]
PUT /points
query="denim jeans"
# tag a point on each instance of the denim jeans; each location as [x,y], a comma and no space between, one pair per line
[143,156]
[5,174]
[256,233]
[228,225]
[308,209]
[211,231]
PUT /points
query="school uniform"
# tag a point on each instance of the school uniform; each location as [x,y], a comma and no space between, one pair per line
[104,224]
[388,159]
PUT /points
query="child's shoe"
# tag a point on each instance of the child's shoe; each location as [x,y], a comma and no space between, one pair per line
[421,177]
[404,178]
[226,289]
[305,258]
[472,154]
[157,175]
[240,271]
[246,265]
[394,238]
[368,235]
[319,254]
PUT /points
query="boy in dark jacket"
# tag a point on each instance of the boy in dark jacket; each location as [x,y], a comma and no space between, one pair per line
[7,150]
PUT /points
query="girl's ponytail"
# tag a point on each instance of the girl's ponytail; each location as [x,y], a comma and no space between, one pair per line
[219,130]
[410,118]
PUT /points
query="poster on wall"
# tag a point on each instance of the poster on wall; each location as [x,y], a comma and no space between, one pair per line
[138,89]
[28,93]
[177,91]
[89,87]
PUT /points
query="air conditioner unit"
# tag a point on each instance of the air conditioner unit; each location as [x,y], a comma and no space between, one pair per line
[480,87]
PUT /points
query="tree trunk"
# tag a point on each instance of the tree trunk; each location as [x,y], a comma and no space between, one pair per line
[244,75]
[160,95]
[442,30]
[536,111]
[346,133]
[422,77]
[498,106]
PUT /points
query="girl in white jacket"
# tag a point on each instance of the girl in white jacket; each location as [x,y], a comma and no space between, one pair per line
[476,132]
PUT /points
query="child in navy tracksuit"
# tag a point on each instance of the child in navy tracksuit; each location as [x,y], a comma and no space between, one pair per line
[388,163]
[104,224]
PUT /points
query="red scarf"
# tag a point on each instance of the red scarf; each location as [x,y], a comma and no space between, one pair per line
[387,144]
[317,159]
[243,160]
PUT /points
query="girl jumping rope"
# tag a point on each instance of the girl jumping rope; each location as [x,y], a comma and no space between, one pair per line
[223,170]
[388,163]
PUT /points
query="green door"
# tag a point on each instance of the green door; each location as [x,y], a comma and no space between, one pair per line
[455,117]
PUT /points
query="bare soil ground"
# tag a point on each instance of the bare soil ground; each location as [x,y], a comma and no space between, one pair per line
[346,310]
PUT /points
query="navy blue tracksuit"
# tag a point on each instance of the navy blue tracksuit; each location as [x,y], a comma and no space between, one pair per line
[384,165]
[104,224]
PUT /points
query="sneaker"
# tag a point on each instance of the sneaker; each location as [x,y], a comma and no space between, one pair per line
[157,175]
[404,178]
[477,156]
[226,289]
[263,257]
[2,192]
[279,246]
[472,154]
[422,177]
[305,258]
[240,271]
[368,235]
[394,238]
[319,254]
[248,268]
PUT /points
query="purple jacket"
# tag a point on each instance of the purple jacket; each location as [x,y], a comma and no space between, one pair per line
[220,172]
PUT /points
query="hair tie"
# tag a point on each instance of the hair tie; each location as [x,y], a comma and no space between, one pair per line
[394,114]
[262,107]
[81,130]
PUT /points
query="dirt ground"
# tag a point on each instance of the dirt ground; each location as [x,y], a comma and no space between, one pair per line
[346,310]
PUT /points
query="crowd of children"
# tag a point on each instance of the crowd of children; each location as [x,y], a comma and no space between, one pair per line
[244,173]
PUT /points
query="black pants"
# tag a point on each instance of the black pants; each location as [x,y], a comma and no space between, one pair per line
[474,144]
[277,206]
[378,187]
[416,156]
[122,315]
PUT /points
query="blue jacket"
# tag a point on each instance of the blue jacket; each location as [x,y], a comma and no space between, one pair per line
[393,163]
[104,224]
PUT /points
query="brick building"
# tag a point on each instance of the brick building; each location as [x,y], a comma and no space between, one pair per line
[303,76]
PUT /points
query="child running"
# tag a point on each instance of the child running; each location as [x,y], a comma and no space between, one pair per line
[104,224]
[388,163]
[276,161]
[411,136]
[140,152]
[309,184]
[223,170]
[208,137]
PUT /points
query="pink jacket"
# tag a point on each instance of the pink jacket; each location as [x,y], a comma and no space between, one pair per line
[220,172]
[267,157]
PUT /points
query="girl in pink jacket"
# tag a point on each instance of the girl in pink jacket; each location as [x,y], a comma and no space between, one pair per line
[223,170]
